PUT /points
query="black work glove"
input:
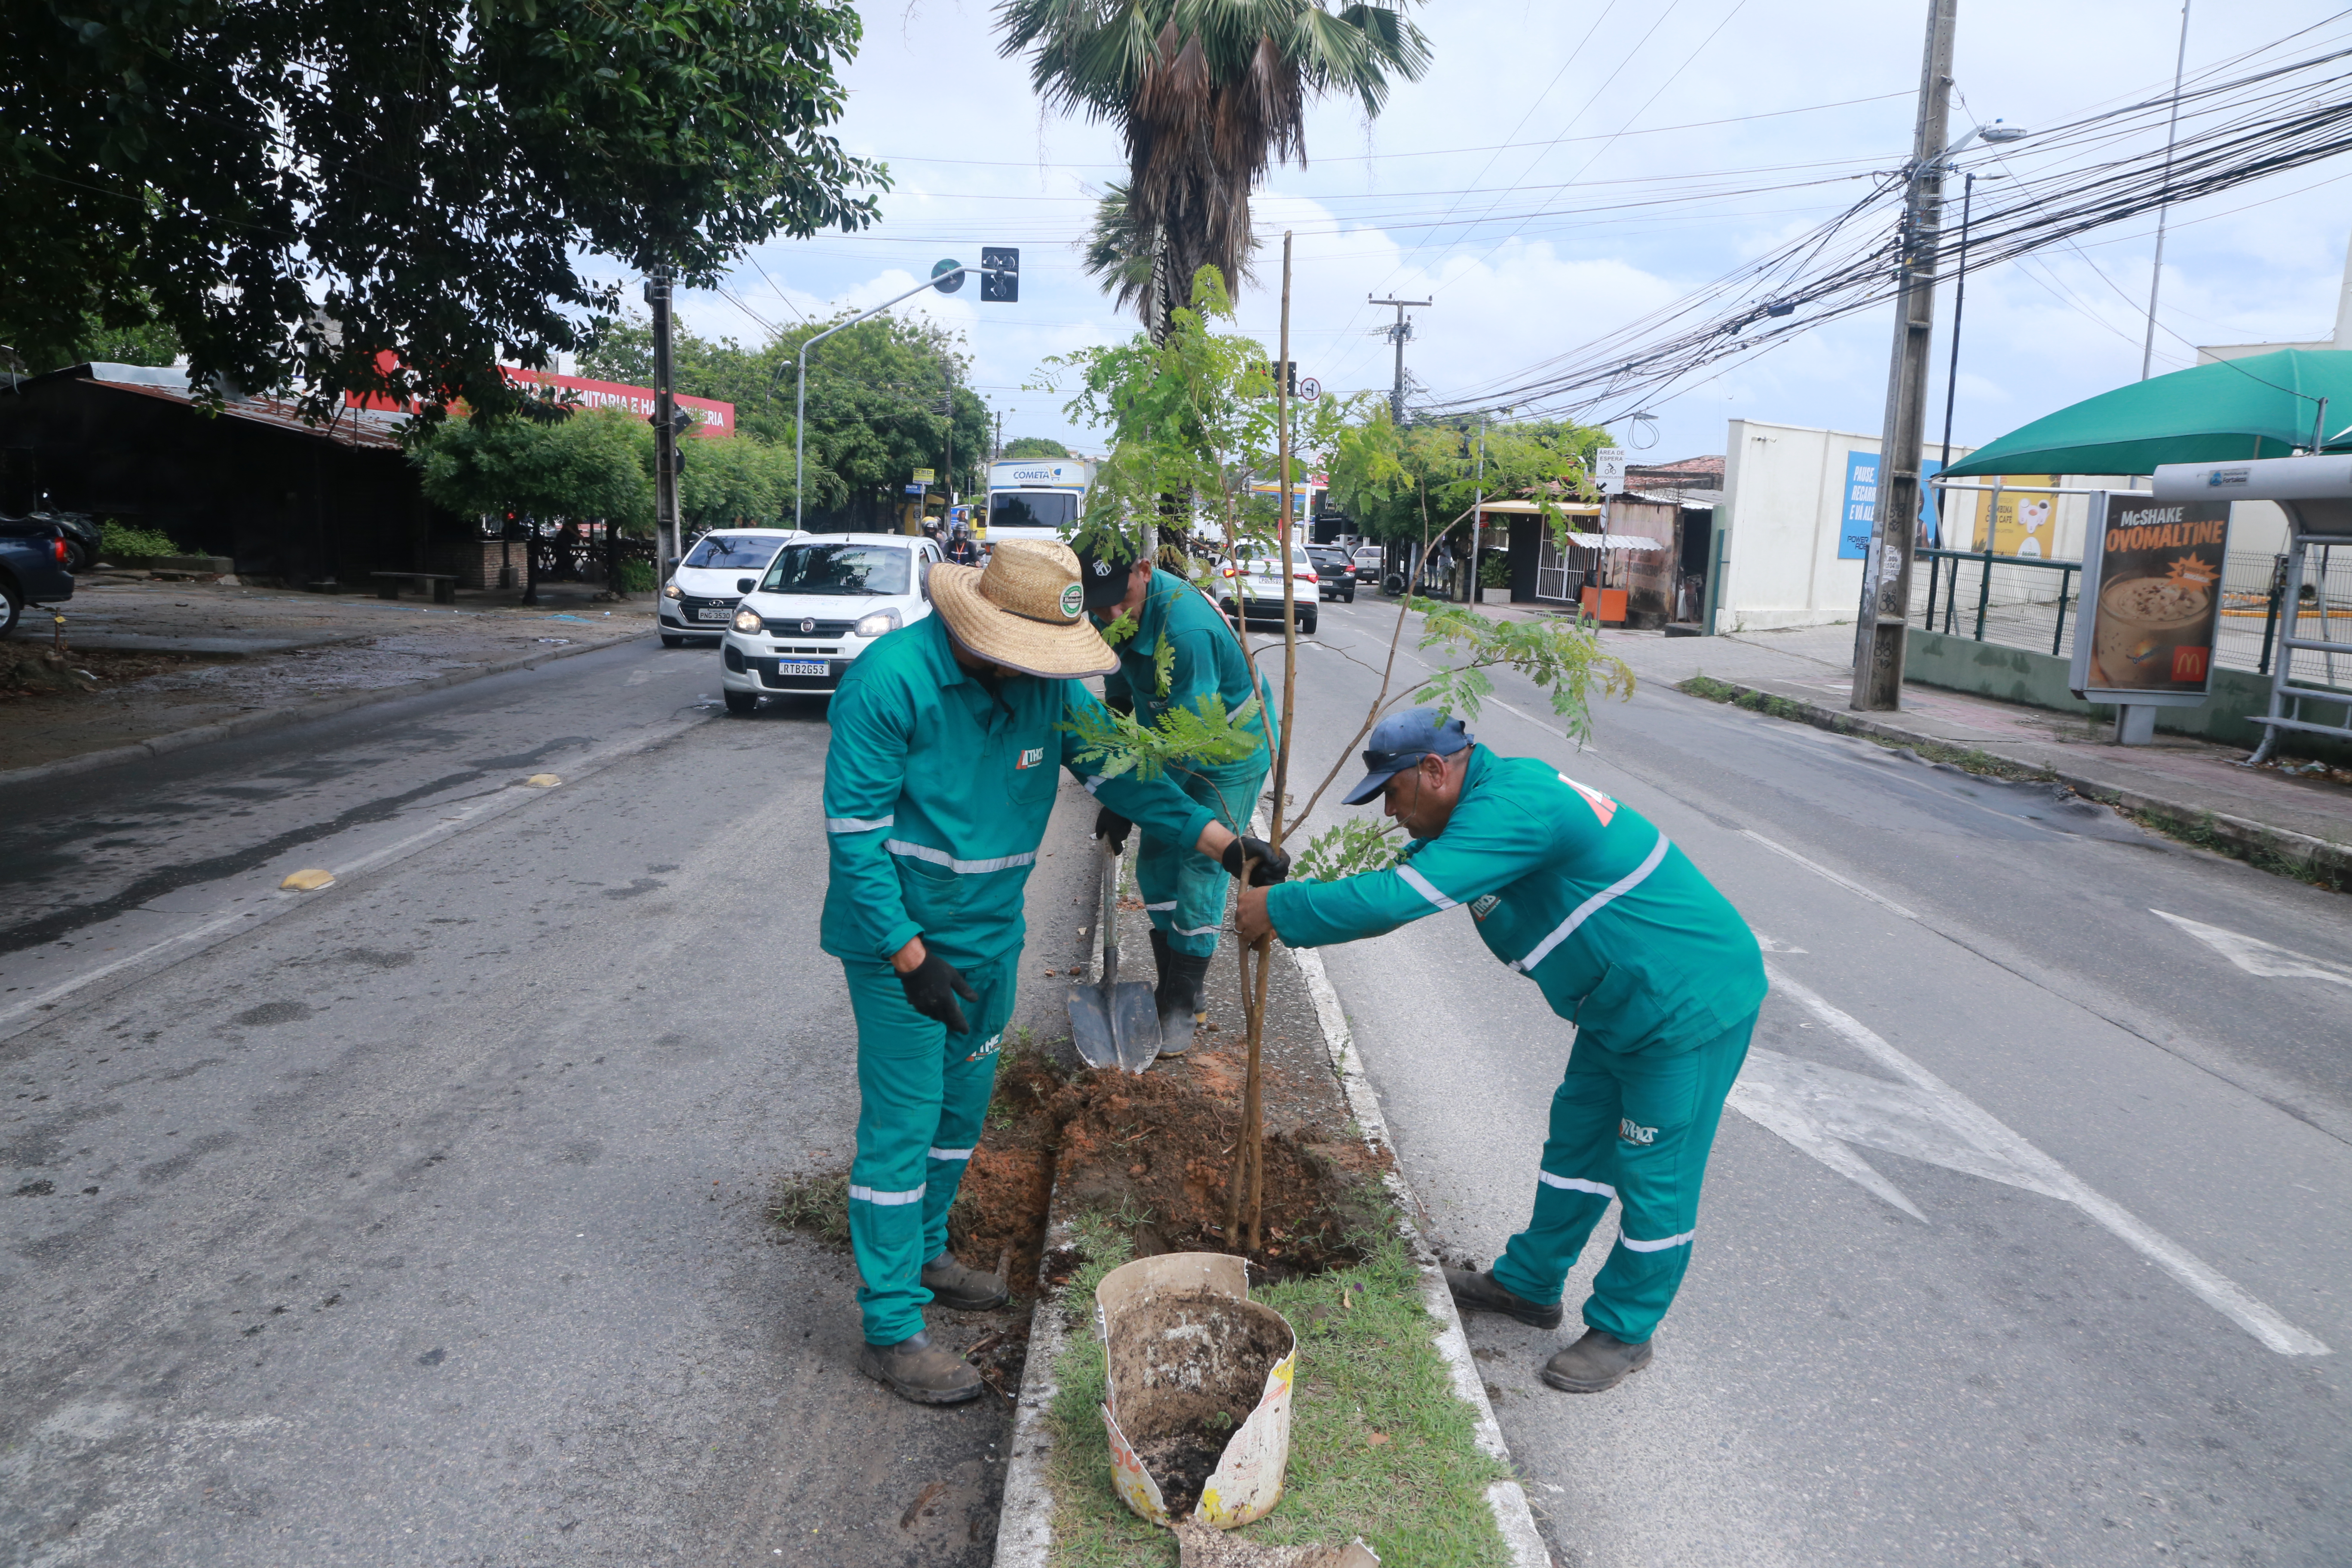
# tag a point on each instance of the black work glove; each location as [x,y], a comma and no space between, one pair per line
[932,987]
[1272,865]
[1110,824]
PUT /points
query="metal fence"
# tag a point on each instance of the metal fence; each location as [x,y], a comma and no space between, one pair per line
[2024,602]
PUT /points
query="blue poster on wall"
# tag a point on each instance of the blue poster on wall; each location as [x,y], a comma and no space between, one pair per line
[1862,504]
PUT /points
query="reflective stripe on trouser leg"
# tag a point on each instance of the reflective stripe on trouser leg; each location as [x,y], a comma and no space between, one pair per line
[1573,1185]
[922,1097]
[1671,1109]
[1183,889]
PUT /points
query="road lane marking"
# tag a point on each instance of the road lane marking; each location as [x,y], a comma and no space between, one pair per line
[1949,1122]
[2256,956]
[25,1013]
[1820,870]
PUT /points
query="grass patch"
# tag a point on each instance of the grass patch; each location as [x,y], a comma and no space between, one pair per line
[1380,1445]
[2203,831]
[1968,758]
[818,1203]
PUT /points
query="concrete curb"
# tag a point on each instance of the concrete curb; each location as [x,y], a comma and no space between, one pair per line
[2320,855]
[1024,1529]
[156,746]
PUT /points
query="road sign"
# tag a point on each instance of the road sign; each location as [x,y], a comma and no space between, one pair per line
[1609,468]
[1309,388]
[924,476]
[948,276]
[999,273]
[914,490]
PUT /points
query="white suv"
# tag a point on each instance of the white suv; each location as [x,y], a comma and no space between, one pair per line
[699,599]
[820,605]
[1259,581]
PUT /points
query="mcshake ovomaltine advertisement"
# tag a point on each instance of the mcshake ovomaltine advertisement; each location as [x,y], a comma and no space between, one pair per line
[2156,599]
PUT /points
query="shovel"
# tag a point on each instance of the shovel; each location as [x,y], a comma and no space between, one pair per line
[1114,1024]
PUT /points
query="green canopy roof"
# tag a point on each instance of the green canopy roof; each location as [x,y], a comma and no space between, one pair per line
[2263,406]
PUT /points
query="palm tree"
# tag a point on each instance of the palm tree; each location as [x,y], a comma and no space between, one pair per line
[1128,265]
[1209,93]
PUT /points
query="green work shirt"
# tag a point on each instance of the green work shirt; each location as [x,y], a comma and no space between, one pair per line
[1207,659]
[1623,936]
[937,790]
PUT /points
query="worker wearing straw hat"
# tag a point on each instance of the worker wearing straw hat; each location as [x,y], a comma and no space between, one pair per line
[947,743]
[1628,942]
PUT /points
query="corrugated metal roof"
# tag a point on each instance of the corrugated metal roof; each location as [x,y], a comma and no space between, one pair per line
[350,427]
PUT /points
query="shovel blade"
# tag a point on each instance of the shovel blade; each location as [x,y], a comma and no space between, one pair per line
[1090,1028]
[1135,1025]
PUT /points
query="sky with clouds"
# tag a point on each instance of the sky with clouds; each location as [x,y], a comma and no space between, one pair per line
[1565,168]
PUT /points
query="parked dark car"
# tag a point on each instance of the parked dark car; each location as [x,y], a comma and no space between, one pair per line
[33,556]
[1335,573]
[83,538]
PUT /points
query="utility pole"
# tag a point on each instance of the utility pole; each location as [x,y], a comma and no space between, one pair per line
[2164,213]
[666,534]
[1880,623]
[1397,334]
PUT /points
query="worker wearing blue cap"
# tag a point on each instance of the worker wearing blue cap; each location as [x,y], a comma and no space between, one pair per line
[1658,972]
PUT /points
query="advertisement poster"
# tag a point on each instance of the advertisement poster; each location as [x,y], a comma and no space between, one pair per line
[1861,504]
[2155,602]
[2023,523]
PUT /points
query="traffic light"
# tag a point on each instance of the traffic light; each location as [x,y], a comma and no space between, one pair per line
[999,273]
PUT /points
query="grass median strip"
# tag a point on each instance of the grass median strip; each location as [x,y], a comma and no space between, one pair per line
[1380,1445]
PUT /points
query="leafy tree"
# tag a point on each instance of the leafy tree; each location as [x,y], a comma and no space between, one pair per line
[1208,95]
[738,481]
[1035,447]
[1394,481]
[552,464]
[873,406]
[294,189]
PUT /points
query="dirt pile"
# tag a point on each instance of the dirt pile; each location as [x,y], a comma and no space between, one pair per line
[1188,1367]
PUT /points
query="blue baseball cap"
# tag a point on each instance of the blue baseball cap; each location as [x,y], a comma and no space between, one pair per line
[1402,740]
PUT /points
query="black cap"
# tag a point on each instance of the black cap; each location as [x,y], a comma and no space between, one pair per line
[1104,565]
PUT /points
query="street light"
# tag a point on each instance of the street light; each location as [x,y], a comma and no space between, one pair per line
[1998,133]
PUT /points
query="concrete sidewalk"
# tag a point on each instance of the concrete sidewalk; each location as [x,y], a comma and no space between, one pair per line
[2195,784]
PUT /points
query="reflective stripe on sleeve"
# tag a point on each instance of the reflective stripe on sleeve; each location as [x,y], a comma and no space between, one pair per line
[885,1200]
[1592,906]
[1094,783]
[1577,1185]
[961,868]
[1630,1245]
[1422,885]
[858,824]
[1150,908]
[1196,931]
[950,1153]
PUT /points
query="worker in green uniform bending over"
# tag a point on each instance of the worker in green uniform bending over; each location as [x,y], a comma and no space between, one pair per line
[945,753]
[1656,969]
[1178,651]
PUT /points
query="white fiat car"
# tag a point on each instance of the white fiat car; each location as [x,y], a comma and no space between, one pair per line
[700,597]
[820,604]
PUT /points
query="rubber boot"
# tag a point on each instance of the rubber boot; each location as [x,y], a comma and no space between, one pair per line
[1597,1360]
[965,1289]
[1181,1011]
[1479,1293]
[919,1370]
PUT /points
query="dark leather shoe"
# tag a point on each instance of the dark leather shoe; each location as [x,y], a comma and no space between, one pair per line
[1479,1293]
[1596,1361]
[964,1290]
[920,1371]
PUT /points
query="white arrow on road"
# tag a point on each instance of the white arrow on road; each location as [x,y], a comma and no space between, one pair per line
[1823,1110]
[2256,956]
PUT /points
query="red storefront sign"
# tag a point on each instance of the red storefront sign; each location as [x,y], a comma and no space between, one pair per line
[717,418]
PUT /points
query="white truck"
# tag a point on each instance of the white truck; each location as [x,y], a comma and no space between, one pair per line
[1035,498]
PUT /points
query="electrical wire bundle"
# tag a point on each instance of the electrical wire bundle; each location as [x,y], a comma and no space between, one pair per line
[2232,133]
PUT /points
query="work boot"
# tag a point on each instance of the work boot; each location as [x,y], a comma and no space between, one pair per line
[1479,1293]
[921,1371]
[965,1289]
[1182,976]
[1597,1360]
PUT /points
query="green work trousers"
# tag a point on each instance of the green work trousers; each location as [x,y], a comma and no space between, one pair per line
[1184,890]
[1636,1128]
[922,1097]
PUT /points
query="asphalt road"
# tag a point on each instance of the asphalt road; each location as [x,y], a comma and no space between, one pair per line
[2030,1246]
[419,1220]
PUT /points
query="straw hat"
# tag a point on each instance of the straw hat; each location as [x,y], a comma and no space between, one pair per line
[1024,610]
